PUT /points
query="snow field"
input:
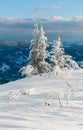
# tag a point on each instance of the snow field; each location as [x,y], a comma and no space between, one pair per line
[34,103]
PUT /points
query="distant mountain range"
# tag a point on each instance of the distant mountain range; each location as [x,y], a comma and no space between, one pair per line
[14,55]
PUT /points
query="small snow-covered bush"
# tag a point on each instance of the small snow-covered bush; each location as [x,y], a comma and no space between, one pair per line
[57,71]
[18,93]
[59,97]
[28,70]
[62,96]
[13,94]
[27,91]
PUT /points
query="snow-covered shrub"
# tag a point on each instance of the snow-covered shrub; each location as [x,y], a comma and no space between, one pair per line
[62,96]
[57,98]
[70,63]
[57,71]
[28,91]
[18,93]
[13,94]
[28,70]
[72,90]
[25,92]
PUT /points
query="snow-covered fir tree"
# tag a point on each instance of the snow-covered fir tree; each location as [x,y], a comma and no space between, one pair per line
[58,57]
[34,46]
[57,53]
[42,54]
[38,53]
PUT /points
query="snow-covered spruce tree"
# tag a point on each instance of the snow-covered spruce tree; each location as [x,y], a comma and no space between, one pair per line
[38,54]
[34,47]
[59,59]
[42,54]
[29,70]
[57,53]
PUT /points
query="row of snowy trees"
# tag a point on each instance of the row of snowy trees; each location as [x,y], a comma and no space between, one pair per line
[37,63]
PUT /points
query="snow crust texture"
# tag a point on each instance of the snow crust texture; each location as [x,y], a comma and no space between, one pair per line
[43,103]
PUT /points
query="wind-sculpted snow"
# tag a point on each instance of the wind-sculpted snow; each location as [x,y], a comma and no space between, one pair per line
[43,103]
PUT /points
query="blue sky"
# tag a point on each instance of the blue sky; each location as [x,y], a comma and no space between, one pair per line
[41,8]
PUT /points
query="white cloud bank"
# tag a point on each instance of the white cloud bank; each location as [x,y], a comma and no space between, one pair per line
[78,18]
[58,18]
[21,28]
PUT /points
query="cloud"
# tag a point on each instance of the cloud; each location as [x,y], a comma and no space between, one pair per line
[15,23]
[22,28]
[58,18]
[78,18]
[60,24]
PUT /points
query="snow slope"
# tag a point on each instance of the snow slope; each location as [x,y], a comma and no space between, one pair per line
[34,103]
